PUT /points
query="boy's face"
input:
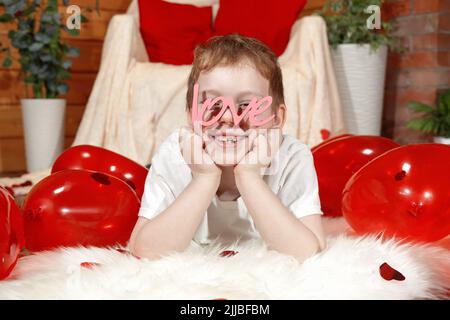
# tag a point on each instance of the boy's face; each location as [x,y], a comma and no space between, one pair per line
[226,142]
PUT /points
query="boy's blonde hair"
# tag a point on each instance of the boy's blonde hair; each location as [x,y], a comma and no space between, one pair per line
[230,50]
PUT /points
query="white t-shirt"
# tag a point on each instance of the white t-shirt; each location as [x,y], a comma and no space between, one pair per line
[294,182]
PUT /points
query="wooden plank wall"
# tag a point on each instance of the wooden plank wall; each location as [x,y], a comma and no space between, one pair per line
[84,70]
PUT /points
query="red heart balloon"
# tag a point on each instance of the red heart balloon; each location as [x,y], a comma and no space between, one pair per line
[337,160]
[79,207]
[326,141]
[87,157]
[404,193]
[11,233]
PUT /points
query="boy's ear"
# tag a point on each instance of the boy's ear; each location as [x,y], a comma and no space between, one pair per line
[280,116]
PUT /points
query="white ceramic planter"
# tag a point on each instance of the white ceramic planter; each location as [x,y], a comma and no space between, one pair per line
[441,140]
[360,75]
[43,123]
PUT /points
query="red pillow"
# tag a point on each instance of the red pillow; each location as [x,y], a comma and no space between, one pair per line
[172,31]
[269,21]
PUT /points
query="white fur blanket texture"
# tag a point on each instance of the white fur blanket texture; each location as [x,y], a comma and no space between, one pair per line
[348,269]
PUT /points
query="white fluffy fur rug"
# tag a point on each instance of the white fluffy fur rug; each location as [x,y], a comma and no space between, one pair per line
[348,269]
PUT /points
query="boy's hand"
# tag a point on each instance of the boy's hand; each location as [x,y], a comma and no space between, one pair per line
[193,151]
[265,145]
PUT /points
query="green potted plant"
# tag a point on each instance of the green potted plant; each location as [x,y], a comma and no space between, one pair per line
[435,120]
[359,39]
[35,31]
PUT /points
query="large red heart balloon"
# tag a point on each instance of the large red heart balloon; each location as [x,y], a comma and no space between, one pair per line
[405,193]
[11,233]
[94,158]
[79,207]
[337,160]
[329,140]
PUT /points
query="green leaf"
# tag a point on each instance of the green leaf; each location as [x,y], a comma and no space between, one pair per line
[46,18]
[36,46]
[12,9]
[420,107]
[43,75]
[7,62]
[73,52]
[46,58]
[34,69]
[29,80]
[56,16]
[31,9]
[25,27]
[51,86]
[424,125]
[6,17]
[19,43]
[42,37]
[11,34]
[429,126]
[72,32]
[62,88]
[67,64]
[444,101]
[63,74]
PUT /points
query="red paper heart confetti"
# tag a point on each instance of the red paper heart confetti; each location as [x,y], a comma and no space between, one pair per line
[388,273]
[325,134]
[89,265]
[23,184]
[123,251]
[228,253]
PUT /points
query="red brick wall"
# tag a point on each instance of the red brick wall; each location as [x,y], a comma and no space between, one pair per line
[423,70]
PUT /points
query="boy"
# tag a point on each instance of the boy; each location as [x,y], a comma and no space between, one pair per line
[251,180]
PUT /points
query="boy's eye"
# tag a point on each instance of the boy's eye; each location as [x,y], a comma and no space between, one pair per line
[218,104]
[243,105]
